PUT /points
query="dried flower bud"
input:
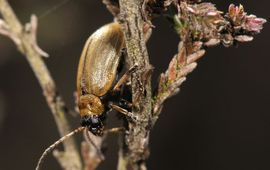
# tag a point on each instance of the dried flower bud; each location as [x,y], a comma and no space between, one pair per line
[212,42]
[236,14]
[254,24]
[227,40]
[243,38]
[201,21]
[241,20]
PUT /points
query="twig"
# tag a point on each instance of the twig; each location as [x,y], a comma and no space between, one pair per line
[91,150]
[134,151]
[180,66]
[211,29]
[25,39]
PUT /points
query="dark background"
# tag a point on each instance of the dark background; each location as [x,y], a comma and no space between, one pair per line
[219,121]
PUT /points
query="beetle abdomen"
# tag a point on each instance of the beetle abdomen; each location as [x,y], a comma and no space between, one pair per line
[100,59]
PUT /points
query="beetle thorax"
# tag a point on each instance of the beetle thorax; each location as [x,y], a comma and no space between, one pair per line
[90,105]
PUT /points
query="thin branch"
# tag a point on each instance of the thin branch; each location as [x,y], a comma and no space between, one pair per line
[134,151]
[180,66]
[211,28]
[25,39]
[91,150]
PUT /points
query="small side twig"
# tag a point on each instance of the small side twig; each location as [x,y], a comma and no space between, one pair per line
[199,26]
[25,40]
[180,66]
[91,150]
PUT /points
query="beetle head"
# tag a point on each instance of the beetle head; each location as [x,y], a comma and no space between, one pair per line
[94,124]
[91,111]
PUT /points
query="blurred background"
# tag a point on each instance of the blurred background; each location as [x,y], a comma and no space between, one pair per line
[219,121]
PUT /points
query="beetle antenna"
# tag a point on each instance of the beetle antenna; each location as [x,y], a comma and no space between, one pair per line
[55,144]
[53,9]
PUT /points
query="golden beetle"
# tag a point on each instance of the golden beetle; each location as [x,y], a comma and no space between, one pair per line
[97,71]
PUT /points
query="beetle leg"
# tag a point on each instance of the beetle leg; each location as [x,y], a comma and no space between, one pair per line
[125,77]
[125,104]
[125,112]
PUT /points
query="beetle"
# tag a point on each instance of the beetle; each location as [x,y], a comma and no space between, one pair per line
[97,72]
[96,76]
